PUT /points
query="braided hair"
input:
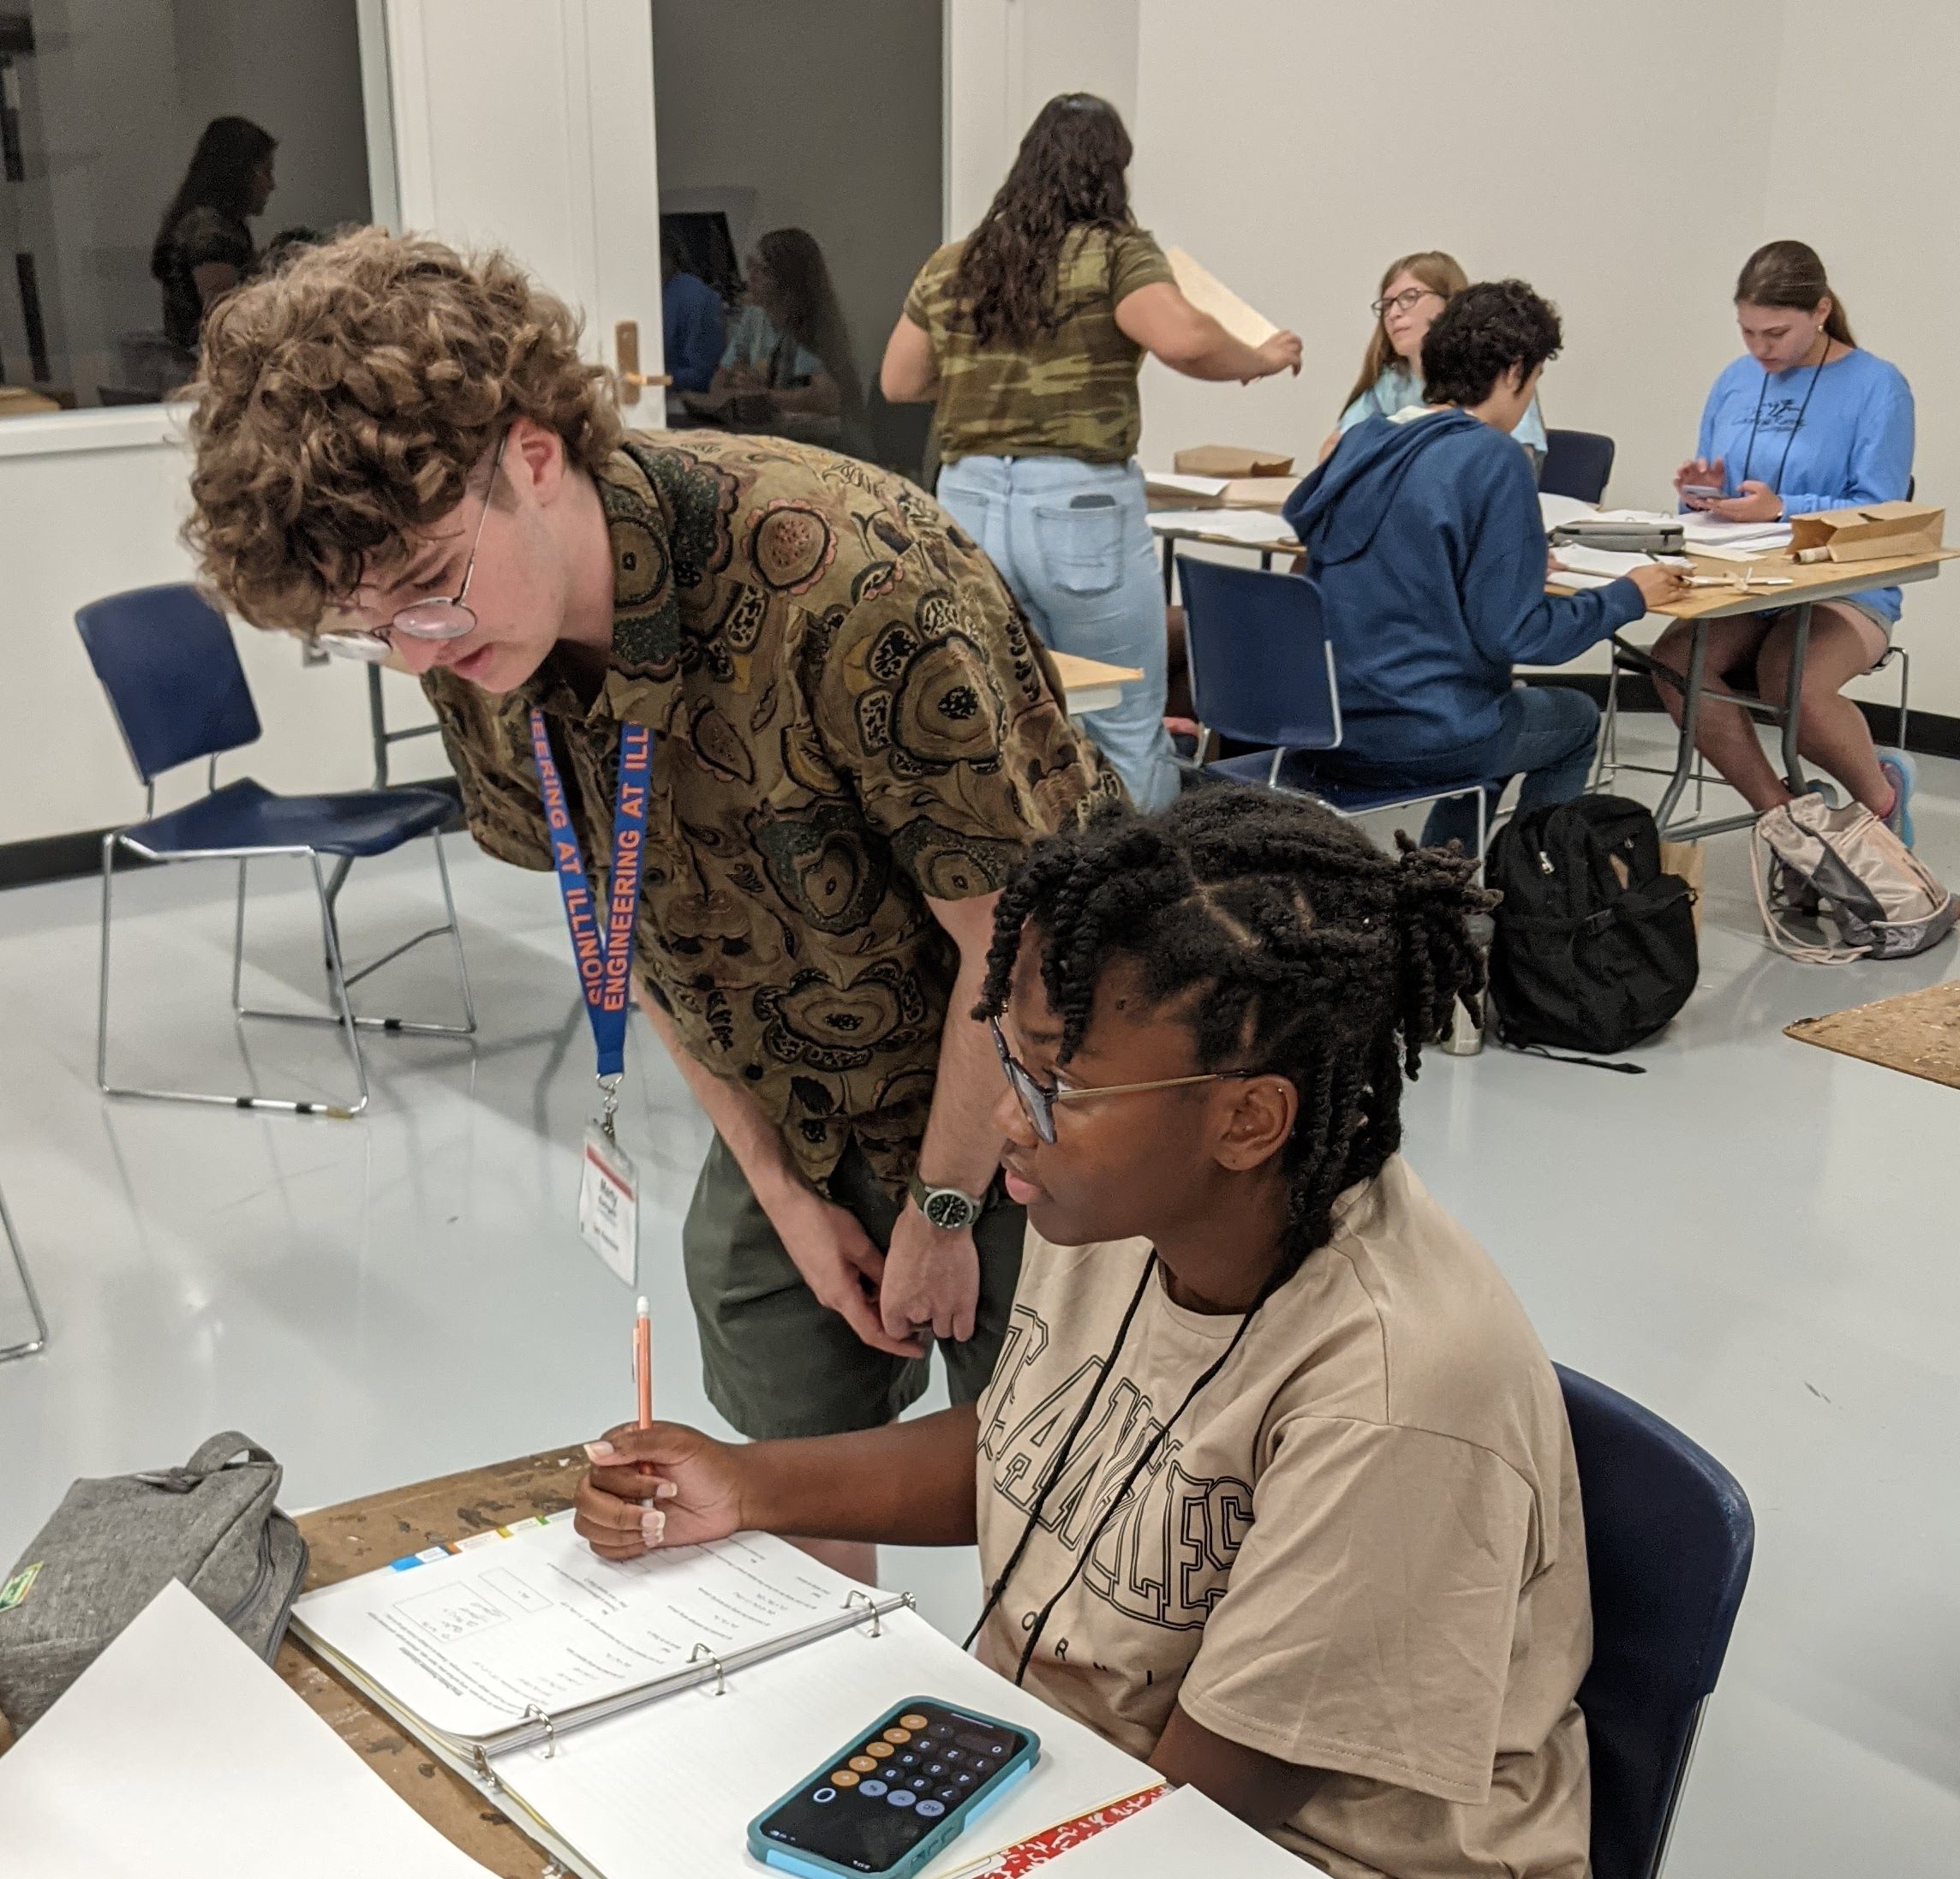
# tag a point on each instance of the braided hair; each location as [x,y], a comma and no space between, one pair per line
[1284,938]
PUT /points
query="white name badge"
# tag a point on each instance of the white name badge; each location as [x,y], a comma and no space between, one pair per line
[609,1204]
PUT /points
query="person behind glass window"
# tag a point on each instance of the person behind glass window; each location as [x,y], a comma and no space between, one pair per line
[1414,290]
[203,248]
[787,367]
[693,324]
[1028,337]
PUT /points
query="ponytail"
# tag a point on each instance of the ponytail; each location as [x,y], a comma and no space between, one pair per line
[1791,274]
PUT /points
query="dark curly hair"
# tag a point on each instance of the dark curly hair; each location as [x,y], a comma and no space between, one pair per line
[1482,333]
[1071,172]
[1283,937]
[344,400]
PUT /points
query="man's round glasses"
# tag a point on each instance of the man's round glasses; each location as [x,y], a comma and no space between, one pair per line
[1403,301]
[433,620]
[1037,1099]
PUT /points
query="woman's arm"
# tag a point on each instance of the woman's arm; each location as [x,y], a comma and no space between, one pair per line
[1881,460]
[910,374]
[1159,318]
[1259,1788]
[910,1483]
[213,280]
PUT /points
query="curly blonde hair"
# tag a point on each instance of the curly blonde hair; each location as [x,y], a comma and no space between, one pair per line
[344,400]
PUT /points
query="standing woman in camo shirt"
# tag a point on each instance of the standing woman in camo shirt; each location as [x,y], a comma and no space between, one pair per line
[1028,335]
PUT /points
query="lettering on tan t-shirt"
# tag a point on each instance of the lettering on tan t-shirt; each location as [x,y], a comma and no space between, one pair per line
[1359,1551]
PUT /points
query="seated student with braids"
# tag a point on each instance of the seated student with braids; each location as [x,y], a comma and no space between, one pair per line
[1274,1482]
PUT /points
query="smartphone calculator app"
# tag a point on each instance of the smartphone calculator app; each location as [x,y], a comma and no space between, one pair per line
[915,1777]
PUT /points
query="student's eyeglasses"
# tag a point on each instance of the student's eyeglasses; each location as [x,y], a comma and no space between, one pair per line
[434,619]
[1403,301]
[1037,1099]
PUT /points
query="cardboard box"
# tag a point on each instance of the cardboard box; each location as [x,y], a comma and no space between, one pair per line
[1876,532]
[1206,292]
[1229,460]
[1258,492]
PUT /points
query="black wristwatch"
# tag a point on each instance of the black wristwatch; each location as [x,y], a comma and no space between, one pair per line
[946,1208]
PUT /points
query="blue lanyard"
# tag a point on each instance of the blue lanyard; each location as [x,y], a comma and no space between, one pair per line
[602,947]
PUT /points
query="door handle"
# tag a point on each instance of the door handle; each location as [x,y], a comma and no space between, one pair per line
[626,351]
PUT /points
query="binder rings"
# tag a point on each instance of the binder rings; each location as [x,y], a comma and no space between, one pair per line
[631,1718]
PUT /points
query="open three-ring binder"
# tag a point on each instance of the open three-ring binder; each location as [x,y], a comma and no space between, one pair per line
[631,1718]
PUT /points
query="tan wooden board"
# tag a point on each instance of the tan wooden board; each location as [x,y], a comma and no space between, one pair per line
[360,1535]
[1918,1032]
[1079,674]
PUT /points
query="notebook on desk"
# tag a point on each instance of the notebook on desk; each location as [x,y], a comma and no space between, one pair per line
[632,1718]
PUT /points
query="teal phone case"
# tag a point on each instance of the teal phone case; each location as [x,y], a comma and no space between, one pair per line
[815,1866]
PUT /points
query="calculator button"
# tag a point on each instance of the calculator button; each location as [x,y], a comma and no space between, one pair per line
[872,1789]
[931,1810]
[879,1749]
[954,1756]
[843,1778]
[863,1764]
[935,1767]
[899,1736]
[919,1784]
[824,1795]
[951,1794]
[900,1796]
[908,1761]
[963,1779]
[911,1722]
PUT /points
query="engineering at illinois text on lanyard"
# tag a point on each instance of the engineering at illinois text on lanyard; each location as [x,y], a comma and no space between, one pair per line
[602,948]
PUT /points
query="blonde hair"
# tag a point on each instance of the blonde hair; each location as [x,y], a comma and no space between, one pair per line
[1441,273]
[343,401]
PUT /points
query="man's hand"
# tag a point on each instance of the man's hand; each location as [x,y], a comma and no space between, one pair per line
[843,1269]
[932,1279]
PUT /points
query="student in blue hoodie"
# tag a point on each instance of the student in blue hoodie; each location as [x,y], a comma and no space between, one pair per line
[1424,536]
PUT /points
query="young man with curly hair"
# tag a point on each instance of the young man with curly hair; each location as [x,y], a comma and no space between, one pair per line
[1424,535]
[854,738]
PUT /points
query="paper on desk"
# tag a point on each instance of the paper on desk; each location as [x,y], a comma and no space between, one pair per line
[1170,483]
[670,1788]
[178,1755]
[470,1640]
[1206,292]
[1257,528]
[1608,563]
[1183,1832]
[1557,511]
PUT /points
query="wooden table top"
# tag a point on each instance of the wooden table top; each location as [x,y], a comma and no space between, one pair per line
[360,1535]
[1810,581]
[1078,674]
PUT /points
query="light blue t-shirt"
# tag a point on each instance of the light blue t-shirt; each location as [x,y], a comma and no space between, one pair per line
[1850,444]
[753,341]
[1398,388]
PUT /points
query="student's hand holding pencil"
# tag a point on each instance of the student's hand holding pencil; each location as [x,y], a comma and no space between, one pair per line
[691,1484]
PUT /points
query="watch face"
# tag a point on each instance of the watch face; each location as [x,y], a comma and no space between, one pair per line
[949,1211]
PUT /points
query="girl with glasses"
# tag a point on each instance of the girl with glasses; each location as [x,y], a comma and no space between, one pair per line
[1806,420]
[1414,290]
[1272,1484]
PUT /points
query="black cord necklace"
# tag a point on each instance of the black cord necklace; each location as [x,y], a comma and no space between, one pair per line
[1749,455]
[998,1589]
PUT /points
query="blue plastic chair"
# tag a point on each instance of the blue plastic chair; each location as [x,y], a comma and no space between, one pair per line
[1263,673]
[1668,1536]
[1577,464]
[165,657]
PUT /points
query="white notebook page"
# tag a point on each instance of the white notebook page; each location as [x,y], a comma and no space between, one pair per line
[669,1788]
[179,1755]
[470,1640]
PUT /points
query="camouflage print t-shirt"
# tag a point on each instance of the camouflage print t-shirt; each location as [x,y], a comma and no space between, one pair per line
[851,716]
[1074,392]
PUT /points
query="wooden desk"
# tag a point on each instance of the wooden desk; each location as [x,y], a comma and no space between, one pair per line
[360,1535]
[1088,685]
[1810,582]
[1283,540]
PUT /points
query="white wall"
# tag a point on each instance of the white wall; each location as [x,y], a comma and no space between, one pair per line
[1625,160]
[831,115]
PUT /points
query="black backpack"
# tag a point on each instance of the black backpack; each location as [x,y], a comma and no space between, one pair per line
[1594,948]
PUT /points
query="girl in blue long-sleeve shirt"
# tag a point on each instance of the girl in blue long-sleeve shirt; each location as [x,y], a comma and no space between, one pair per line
[1806,421]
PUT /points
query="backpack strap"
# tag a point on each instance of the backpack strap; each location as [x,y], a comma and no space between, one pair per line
[1790,944]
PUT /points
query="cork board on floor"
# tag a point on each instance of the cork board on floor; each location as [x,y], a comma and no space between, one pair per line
[1918,1032]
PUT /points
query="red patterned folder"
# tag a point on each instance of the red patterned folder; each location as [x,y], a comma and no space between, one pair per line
[1023,1856]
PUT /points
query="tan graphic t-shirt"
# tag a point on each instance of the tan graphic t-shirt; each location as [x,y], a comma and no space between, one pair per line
[1074,392]
[1359,1550]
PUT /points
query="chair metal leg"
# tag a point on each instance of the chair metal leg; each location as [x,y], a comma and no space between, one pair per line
[1608,767]
[337,973]
[280,1105]
[409,1026]
[1905,687]
[39,1340]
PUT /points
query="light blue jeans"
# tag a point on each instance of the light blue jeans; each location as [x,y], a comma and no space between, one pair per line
[1072,540]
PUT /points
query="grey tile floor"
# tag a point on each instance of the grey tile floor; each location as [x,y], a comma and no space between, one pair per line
[1755,1239]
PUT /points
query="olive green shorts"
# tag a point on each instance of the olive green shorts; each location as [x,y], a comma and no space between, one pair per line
[777,1363]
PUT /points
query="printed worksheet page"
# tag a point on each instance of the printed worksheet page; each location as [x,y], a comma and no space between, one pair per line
[474,1640]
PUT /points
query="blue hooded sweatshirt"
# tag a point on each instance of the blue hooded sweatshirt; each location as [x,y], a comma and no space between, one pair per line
[1427,543]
